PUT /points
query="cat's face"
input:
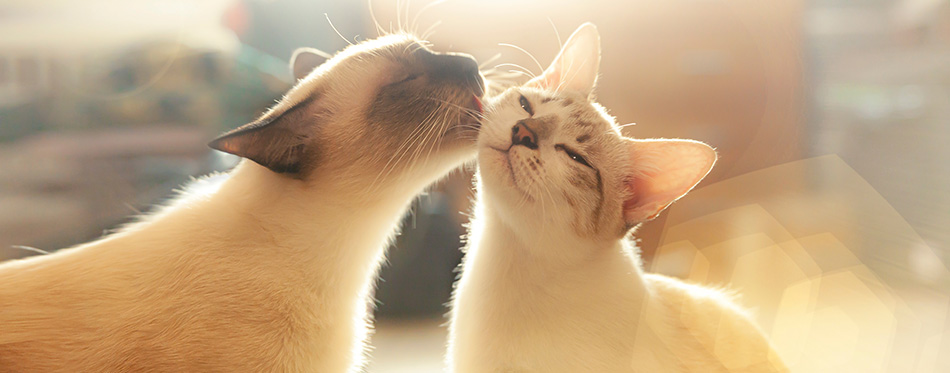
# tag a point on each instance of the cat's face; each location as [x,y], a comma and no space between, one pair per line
[552,162]
[374,109]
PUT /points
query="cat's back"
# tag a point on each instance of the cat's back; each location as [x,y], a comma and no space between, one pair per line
[89,310]
[707,331]
[131,302]
[38,331]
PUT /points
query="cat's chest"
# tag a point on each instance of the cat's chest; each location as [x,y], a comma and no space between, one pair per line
[575,334]
[566,355]
[534,340]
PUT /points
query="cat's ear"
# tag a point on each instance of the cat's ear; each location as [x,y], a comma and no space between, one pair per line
[576,66]
[660,172]
[278,141]
[304,60]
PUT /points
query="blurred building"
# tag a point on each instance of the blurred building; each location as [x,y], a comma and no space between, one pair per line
[96,125]
[881,75]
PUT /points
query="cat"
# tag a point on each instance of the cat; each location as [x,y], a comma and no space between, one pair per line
[549,282]
[270,269]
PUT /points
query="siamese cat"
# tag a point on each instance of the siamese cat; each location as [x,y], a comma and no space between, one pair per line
[549,282]
[269,270]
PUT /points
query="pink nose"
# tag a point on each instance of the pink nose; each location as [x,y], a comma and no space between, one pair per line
[522,135]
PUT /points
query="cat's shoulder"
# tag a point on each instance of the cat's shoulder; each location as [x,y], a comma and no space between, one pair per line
[676,292]
[713,319]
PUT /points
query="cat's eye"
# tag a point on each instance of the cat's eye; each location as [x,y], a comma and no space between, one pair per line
[573,155]
[526,105]
[407,78]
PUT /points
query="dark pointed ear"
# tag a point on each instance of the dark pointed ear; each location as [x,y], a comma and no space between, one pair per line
[278,141]
[304,60]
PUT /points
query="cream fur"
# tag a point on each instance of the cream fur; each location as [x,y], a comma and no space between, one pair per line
[519,311]
[259,273]
[549,282]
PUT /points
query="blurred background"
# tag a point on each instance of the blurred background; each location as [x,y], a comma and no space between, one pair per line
[828,210]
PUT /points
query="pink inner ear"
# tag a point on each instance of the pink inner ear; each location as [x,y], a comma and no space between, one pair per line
[576,65]
[663,171]
[646,204]
[549,80]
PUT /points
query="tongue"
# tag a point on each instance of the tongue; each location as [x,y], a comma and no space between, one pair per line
[478,104]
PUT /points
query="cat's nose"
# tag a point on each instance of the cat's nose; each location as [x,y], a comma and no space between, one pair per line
[522,135]
[453,64]
[458,67]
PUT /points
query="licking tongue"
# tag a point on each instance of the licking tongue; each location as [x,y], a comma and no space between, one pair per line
[477,103]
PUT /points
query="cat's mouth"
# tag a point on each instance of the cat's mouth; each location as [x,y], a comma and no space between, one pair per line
[505,165]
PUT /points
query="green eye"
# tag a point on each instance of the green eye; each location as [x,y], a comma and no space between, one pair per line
[526,105]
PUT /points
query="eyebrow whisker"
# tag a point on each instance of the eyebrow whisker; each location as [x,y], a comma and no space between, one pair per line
[525,52]
[335,30]
[524,70]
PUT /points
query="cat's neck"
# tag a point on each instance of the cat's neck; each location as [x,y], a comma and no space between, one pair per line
[297,206]
[314,228]
[324,211]
[559,257]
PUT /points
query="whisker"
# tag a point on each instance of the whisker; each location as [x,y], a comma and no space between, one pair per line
[425,8]
[618,129]
[525,52]
[437,145]
[417,47]
[401,150]
[528,72]
[502,83]
[429,31]
[569,68]
[560,45]
[499,77]
[457,106]
[501,73]
[372,15]
[521,73]
[430,130]
[405,50]
[398,16]
[547,191]
[335,30]
[409,28]
[489,60]
[31,249]
[413,143]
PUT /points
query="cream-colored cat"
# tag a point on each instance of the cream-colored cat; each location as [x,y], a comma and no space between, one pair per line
[269,271]
[549,282]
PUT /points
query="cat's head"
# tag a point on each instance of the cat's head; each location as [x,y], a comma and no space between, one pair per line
[552,161]
[381,109]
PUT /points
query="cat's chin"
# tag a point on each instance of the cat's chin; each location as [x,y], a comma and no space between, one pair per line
[494,164]
[497,174]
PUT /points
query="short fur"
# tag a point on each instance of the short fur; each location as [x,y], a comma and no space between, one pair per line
[270,269]
[549,282]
